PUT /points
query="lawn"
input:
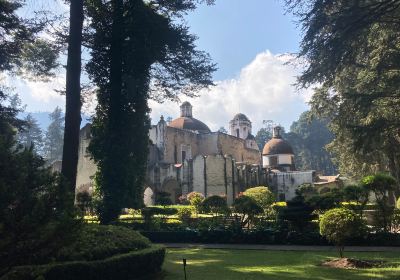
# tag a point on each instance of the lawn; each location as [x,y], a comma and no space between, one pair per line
[204,264]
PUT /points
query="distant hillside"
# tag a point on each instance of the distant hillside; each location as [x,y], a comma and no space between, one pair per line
[44,121]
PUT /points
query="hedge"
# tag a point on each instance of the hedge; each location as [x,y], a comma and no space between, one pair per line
[266,236]
[132,265]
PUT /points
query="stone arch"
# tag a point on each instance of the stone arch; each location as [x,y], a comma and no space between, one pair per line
[172,186]
[148,196]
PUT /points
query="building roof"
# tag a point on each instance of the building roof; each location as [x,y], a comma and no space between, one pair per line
[277,146]
[241,117]
[190,124]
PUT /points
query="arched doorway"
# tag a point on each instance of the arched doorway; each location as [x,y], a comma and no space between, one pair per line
[172,187]
[148,197]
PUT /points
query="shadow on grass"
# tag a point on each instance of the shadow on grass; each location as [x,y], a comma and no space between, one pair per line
[249,264]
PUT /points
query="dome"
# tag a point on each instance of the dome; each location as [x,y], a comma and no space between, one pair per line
[277,146]
[190,124]
[241,117]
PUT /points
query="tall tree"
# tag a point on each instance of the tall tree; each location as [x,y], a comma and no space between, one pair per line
[31,135]
[54,136]
[73,94]
[352,50]
[140,50]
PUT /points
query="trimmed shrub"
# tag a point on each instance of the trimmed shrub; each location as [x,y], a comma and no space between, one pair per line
[132,265]
[215,204]
[262,196]
[248,208]
[340,225]
[398,203]
[95,242]
[163,198]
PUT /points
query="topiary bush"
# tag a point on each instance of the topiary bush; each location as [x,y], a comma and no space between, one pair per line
[95,242]
[98,252]
[248,208]
[262,196]
[215,204]
[339,225]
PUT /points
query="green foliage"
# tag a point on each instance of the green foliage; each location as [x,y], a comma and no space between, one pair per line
[163,198]
[21,51]
[382,186]
[136,43]
[215,204]
[357,197]
[97,242]
[36,216]
[339,225]
[326,201]
[351,50]
[398,203]
[248,208]
[84,202]
[132,265]
[262,196]
[184,215]
[31,135]
[54,136]
[297,212]
[195,199]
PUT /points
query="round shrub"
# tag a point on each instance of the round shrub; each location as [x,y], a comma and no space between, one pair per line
[262,196]
[339,225]
[246,206]
[398,203]
[195,199]
[215,204]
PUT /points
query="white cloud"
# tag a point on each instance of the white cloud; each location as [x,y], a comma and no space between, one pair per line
[38,95]
[263,91]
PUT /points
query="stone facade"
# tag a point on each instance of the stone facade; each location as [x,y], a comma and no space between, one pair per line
[185,156]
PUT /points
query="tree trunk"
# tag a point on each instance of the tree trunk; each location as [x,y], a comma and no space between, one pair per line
[73,95]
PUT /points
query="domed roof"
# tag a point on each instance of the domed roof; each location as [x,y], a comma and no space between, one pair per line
[241,117]
[190,124]
[277,146]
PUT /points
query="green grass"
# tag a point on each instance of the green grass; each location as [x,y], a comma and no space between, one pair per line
[204,264]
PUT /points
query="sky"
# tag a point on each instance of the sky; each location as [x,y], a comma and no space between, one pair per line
[252,42]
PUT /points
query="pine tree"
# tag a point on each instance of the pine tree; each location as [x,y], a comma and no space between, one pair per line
[54,136]
[31,135]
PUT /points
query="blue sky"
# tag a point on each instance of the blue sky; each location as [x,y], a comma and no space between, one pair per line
[235,31]
[250,40]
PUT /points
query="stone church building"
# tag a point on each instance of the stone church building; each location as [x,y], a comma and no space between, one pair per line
[185,156]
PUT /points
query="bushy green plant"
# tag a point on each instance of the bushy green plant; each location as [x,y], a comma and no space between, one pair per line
[96,242]
[184,215]
[357,198]
[326,201]
[339,225]
[262,196]
[398,203]
[163,198]
[382,186]
[215,204]
[248,208]
[195,199]
[297,212]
